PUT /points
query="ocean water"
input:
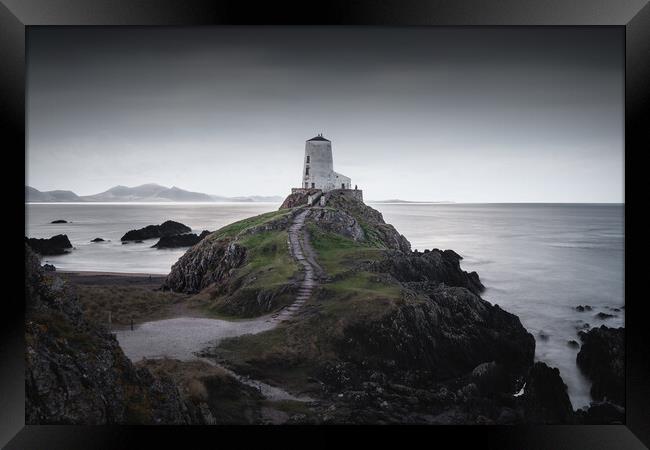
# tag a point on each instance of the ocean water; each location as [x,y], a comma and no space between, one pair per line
[537,261]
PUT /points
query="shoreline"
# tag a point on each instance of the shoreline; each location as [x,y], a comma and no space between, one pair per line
[90,273]
[96,278]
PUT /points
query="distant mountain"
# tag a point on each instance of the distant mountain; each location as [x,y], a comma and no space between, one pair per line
[34,195]
[147,193]
[144,193]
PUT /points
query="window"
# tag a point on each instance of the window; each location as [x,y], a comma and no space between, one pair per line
[307,159]
[306,185]
[313,185]
[307,170]
[342,185]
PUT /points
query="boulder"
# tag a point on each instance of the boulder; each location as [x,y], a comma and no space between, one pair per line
[601,413]
[491,378]
[602,360]
[59,221]
[573,344]
[49,268]
[97,239]
[56,245]
[168,228]
[604,316]
[545,399]
[180,240]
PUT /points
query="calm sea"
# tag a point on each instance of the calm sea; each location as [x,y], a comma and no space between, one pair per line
[537,261]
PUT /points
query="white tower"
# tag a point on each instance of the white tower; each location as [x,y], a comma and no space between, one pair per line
[318,169]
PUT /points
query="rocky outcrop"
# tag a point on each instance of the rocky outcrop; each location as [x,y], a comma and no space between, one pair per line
[602,359]
[545,399]
[97,239]
[168,228]
[76,372]
[205,265]
[180,240]
[56,245]
[447,335]
[337,221]
[298,198]
[211,263]
[600,413]
[59,221]
[434,266]
[350,217]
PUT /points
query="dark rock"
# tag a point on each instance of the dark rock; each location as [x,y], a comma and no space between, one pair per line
[491,378]
[56,245]
[49,268]
[59,221]
[602,413]
[448,335]
[604,316]
[581,308]
[545,399]
[433,266]
[139,242]
[543,336]
[339,222]
[97,239]
[205,265]
[602,360]
[573,344]
[168,228]
[180,240]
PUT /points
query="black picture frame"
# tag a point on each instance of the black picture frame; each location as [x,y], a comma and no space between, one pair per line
[17,15]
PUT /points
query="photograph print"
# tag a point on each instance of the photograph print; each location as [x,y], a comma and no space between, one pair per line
[324,225]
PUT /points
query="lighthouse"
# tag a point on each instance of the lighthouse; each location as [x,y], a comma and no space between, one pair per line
[318,168]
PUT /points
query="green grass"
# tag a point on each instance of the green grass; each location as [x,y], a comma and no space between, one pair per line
[233,229]
[268,259]
[338,254]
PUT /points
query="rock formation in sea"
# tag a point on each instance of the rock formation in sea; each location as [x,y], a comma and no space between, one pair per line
[602,359]
[56,245]
[168,228]
[180,240]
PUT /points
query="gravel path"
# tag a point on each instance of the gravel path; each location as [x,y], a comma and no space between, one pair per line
[302,252]
[180,338]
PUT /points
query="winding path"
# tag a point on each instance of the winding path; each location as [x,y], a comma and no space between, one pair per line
[302,252]
[182,337]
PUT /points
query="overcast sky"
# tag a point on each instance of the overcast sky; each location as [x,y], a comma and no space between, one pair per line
[458,114]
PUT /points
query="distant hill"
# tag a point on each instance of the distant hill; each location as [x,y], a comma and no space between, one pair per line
[34,195]
[150,192]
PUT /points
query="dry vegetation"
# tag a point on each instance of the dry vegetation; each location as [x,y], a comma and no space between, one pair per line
[128,303]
